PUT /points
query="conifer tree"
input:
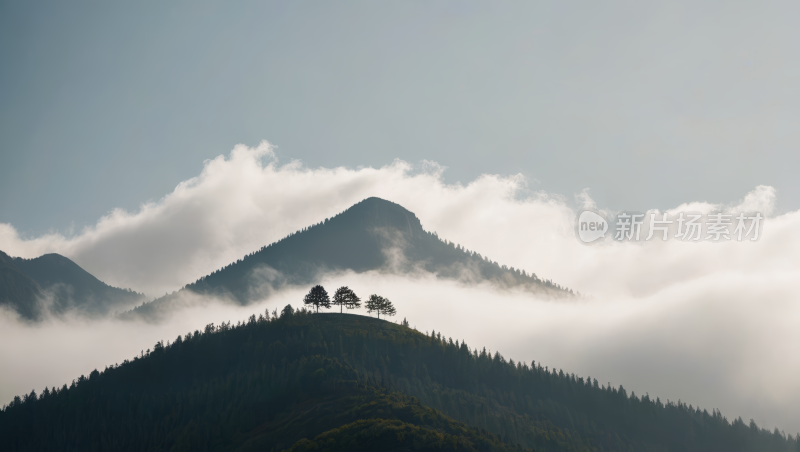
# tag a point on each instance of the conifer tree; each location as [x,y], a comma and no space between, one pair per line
[387,308]
[346,298]
[372,304]
[318,297]
[381,305]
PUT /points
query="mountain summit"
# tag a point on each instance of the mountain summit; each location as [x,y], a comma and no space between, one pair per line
[54,283]
[17,290]
[374,234]
[71,287]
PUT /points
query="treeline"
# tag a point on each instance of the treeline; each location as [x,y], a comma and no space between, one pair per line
[244,385]
[512,399]
[344,297]
[263,384]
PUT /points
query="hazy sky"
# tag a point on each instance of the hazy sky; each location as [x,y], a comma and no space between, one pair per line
[139,108]
[714,324]
[110,104]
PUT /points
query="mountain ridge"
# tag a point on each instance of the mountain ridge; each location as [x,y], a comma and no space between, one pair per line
[373,234]
[17,290]
[58,285]
[305,381]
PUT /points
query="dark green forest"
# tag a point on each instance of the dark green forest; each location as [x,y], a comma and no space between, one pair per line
[362,238]
[301,381]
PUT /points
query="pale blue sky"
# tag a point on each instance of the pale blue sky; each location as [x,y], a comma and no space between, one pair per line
[110,104]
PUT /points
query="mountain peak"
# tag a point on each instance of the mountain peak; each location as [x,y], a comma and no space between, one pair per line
[373,234]
[17,289]
[66,284]
[375,213]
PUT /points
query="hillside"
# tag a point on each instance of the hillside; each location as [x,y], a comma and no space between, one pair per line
[303,381]
[72,287]
[374,234]
[18,291]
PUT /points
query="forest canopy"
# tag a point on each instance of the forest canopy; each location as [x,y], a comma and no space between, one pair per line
[286,380]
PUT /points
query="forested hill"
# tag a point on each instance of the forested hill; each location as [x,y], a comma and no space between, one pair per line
[336,382]
[53,283]
[72,287]
[17,290]
[373,234]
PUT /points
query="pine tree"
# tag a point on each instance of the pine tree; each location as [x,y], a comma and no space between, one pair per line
[377,303]
[373,303]
[346,298]
[318,297]
[387,308]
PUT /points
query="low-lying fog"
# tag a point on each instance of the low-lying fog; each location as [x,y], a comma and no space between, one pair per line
[712,324]
[711,347]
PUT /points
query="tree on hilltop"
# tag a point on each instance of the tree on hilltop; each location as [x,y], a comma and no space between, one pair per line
[377,303]
[318,297]
[346,298]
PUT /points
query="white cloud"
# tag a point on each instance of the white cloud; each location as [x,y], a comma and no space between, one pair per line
[711,323]
[236,205]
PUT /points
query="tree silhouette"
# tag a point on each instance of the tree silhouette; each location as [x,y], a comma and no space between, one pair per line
[346,298]
[317,297]
[372,304]
[377,303]
[387,308]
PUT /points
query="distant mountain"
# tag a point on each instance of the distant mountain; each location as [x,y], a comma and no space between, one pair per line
[374,234]
[17,290]
[56,283]
[340,382]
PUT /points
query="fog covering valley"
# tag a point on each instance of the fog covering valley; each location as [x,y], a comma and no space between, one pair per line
[712,324]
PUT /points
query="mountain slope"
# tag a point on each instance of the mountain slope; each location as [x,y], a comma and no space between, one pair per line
[18,291]
[73,287]
[374,234]
[307,381]
[234,389]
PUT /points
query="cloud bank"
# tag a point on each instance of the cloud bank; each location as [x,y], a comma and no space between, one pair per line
[714,324]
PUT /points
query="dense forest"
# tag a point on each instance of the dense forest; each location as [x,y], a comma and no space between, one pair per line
[373,234]
[301,381]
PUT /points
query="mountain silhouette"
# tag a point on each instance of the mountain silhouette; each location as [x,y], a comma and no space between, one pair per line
[53,282]
[299,381]
[374,234]
[17,290]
